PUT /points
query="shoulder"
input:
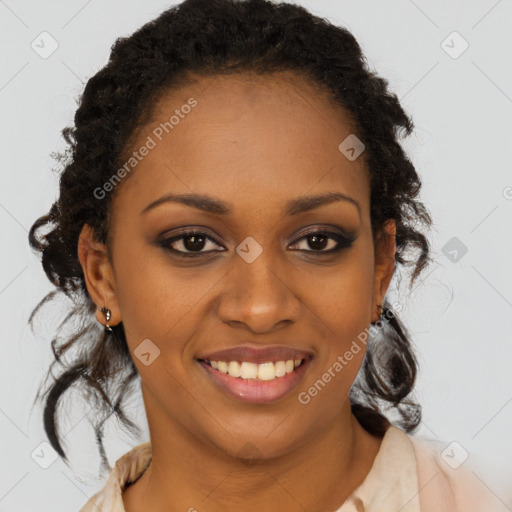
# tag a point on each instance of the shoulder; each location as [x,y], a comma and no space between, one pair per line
[126,469]
[447,480]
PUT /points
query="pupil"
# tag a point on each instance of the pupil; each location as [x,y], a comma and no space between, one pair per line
[197,242]
[316,244]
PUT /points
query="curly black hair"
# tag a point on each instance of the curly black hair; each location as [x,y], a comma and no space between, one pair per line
[208,38]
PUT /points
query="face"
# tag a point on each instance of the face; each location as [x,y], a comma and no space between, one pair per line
[268,275]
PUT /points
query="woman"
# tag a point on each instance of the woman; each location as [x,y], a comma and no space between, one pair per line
[232,210]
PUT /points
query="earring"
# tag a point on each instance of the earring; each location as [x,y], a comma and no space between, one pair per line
[107,314]
[381,309]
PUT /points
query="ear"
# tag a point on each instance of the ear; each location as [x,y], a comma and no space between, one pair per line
[98,274]
[384,266]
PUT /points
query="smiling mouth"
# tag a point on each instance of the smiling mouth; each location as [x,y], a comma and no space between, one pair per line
[266,371]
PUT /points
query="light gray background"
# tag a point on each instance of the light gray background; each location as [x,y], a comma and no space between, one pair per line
[460,316]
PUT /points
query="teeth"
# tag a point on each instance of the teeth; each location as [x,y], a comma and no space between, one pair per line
[248,370]
[280,369]
[234,368]
[263,371]
[266,371]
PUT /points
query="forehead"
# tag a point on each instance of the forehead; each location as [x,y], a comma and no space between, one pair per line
[245,138]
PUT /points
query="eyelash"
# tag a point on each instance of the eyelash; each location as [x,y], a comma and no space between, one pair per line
[343,241]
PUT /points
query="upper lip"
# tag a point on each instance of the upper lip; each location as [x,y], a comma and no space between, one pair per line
[253,354]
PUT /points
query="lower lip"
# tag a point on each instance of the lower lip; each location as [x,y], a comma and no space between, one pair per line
[257,391]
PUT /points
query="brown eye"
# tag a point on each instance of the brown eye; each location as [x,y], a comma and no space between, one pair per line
[325,242]
[190,243]
[194,242]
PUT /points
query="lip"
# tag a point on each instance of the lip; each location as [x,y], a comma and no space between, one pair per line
[253,354]
[256,391]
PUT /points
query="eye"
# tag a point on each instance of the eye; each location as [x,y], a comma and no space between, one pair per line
[325,241]
[189,243]
[192,243]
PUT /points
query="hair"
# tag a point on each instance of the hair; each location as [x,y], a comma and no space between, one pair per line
[209,38]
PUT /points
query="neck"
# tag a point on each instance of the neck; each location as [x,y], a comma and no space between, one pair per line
[187,474]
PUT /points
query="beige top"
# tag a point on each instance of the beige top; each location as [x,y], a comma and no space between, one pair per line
[406,474]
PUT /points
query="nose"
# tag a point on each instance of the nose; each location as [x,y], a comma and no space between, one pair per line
[259,295]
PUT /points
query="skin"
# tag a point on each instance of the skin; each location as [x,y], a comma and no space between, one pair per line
[255,143]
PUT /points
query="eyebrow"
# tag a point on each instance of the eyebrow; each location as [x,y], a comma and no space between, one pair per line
[216,206]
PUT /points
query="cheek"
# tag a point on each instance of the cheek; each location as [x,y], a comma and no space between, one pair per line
[163,304]
[341,306]
[159,301]
[341,295]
